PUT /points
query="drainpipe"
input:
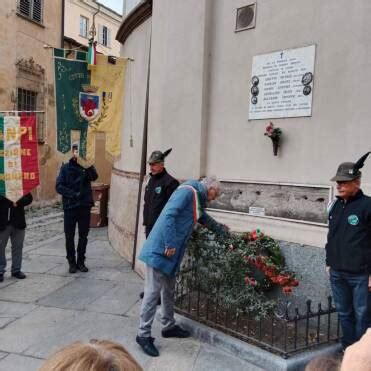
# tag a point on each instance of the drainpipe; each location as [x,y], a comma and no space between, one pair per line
[143,160]
[62,30]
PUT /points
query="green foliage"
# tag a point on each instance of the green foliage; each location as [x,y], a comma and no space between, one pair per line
[222,267]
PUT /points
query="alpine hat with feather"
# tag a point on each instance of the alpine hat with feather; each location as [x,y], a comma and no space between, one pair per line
[158,156]
[348,171]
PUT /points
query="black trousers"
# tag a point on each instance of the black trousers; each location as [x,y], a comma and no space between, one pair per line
[148,229]
[81,217]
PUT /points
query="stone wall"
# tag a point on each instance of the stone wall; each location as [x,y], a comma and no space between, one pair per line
[283,201]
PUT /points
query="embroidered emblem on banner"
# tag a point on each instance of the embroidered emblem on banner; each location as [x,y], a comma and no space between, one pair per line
[89,103]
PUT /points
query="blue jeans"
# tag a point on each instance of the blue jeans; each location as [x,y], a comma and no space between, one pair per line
[353,304]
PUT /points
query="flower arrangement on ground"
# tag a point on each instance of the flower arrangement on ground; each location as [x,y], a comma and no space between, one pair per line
[238,270]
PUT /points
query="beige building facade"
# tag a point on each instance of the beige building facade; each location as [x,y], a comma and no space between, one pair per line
[78,20]
[27,30]
[201,64]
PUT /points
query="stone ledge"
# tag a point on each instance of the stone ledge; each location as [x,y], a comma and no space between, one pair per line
[251,353]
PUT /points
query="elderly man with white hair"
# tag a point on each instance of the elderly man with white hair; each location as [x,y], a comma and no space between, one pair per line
[163,252]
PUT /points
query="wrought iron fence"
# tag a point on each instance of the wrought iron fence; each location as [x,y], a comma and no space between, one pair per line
[285,332]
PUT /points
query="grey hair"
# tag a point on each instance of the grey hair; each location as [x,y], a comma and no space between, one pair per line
[211,182]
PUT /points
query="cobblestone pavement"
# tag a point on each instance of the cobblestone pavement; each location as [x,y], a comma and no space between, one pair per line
[52,308]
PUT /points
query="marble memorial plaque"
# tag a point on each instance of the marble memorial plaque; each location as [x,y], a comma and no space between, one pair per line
[282,84]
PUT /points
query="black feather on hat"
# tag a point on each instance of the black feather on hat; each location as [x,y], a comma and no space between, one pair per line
[170,149]
[359,164]
[348,171]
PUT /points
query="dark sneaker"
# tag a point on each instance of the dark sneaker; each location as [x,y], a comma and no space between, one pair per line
[146,343]
[20,275]
[141,295]
[73,267]
[175,332]
[82,267]
[1,277]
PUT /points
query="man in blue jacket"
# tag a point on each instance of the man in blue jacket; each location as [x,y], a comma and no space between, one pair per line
[163,252]
[73,183]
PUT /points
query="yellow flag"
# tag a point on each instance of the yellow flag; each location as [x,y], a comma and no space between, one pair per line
[109,79]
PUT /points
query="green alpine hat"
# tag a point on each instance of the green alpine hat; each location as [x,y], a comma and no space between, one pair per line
[158,156]
[348,171]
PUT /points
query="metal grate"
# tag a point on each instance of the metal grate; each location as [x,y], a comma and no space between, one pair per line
[245,17]
[26,100]
[27,103]
[32,9]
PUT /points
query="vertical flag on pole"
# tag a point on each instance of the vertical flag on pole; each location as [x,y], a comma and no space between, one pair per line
[19,169]
[92,53]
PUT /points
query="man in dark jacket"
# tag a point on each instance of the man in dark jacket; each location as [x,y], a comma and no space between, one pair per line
[13,225]
[348,252]
[159,188]
[73,183]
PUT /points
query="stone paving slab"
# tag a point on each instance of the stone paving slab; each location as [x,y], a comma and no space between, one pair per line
[45,330]
[116,274]
[118,300]
[95,249]
[15,362]
[34,287]
[186,351]
[9,312]
[52,240]
[40,263]
[77,294]
[211,359]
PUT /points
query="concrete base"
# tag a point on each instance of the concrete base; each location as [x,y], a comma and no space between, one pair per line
[251,353]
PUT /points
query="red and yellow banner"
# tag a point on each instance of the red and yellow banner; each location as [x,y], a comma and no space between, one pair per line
[19,168]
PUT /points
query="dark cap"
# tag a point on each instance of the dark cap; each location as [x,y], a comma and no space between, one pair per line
[158,156]
[348,171]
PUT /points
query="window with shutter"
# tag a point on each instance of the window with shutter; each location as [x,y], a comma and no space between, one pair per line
[108,37]
[104,35]
[100,34]
[32,9]
[84,26]
[24,7]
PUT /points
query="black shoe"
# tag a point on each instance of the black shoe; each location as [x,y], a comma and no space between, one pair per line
[82,267]
[175,332]
[73,267]
[146,344]
[1,277]
[141,295]
[19,275]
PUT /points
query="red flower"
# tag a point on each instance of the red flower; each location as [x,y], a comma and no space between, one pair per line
[294,283]
[287,290]
[250,281]
[282,280]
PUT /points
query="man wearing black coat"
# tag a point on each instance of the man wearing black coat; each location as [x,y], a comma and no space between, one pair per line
[348,252]
[13,225]
[73,183]
[159,188]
